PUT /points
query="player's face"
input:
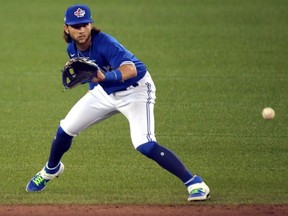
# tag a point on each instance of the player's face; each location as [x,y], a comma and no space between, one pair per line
[80,33]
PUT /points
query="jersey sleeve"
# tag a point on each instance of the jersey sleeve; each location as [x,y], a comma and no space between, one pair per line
[116,54]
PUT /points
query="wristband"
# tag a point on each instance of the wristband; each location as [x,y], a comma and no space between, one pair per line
[113,76]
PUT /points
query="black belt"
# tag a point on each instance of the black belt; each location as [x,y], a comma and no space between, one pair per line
[129,87]
[134,85]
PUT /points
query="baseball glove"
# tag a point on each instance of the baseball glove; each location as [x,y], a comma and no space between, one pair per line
[78,71]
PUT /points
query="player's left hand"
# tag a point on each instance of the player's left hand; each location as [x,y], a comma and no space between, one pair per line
[100,77]
[78,71]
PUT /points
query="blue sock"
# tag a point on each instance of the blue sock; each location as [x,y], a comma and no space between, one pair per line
[60,145]
[195,179]
[52,170]
[166,159]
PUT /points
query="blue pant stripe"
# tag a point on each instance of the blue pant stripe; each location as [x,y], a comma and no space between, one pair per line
[148,111]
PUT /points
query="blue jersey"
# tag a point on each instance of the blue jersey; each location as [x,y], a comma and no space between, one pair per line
[109,54]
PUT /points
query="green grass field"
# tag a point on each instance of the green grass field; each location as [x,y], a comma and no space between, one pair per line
[216,65]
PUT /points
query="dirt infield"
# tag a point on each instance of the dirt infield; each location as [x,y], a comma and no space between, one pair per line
[95,210]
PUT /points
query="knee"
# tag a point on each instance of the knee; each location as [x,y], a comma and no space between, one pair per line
[62,134]
[148,148]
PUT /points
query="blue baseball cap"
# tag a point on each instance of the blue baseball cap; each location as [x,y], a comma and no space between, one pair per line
[78,14]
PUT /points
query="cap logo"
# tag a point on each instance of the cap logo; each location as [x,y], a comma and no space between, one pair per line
[79,13]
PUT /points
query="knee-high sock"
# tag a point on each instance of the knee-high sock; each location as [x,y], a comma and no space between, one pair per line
[61,144]
[166,159]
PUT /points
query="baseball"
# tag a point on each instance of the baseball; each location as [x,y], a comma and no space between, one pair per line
[268,113]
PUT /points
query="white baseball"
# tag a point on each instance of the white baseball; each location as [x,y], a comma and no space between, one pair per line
[268,113]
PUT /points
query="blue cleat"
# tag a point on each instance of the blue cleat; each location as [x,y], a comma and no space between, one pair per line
[198,192]
[40,180]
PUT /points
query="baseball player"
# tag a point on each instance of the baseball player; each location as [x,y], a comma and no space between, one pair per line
[123,85]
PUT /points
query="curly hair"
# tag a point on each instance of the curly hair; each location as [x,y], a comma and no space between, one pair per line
[68,39]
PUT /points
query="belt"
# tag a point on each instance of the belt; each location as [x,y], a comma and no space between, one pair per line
[132,86]
[129,87]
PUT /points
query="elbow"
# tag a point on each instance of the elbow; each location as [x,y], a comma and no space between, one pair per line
[134,72]
[128,71]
